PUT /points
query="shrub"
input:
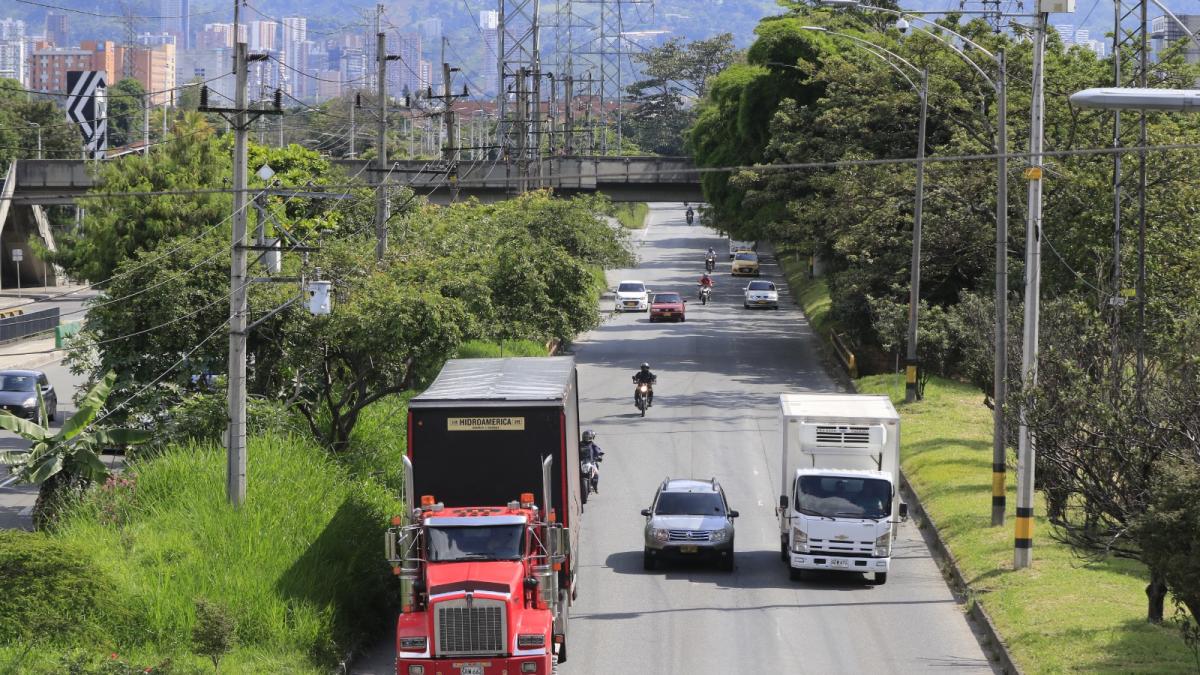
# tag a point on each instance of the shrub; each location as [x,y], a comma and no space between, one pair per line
[50,587]
[214,633]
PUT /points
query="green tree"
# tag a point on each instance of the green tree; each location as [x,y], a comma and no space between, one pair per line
[126,101]
[19,112]
[65,463]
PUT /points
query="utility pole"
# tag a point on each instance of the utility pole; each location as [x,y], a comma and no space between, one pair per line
[145,124]
[381,197]
[914,288]
[568,115]
[353,131]
[522,134]
[242,118]
[1026,448]
[1000,374]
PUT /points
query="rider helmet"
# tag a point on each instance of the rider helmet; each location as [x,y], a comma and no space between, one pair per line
[645,366]
[589,436]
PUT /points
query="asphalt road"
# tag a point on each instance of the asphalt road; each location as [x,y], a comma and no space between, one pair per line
[715,414]
[16,500]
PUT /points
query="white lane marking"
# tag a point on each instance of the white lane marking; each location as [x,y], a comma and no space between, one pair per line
[27,511]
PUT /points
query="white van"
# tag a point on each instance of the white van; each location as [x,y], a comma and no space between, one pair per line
[735,246]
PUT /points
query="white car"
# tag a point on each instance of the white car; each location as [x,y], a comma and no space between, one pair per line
[632,296]
[735,246]
[761,294]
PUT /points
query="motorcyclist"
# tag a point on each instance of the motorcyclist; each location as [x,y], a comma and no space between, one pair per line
[710,259]
[705,281]
[645,376]
[590,452]
[690,214]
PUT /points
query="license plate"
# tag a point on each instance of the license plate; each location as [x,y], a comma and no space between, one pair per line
[631,304]
[688,549]
[472,669]
[840,564]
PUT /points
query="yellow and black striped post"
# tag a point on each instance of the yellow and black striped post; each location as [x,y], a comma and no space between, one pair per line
[1024,534]
[910,381]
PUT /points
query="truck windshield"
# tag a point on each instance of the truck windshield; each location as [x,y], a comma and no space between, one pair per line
[490,542]
[690,504]
[844,497]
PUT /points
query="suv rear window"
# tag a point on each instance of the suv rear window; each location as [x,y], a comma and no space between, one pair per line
[689,504]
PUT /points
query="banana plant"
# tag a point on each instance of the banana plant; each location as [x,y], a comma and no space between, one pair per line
[68,460]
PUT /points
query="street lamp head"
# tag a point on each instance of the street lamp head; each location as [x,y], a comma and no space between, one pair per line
[1132,98]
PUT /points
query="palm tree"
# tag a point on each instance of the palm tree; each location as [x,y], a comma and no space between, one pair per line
[64,464]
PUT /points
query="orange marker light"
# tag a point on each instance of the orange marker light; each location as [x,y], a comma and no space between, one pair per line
[397,521]
[427,500]
[526,497]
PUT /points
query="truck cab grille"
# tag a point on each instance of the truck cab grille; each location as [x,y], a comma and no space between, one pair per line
[477,629]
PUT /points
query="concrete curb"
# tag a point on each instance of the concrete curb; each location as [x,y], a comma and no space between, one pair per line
[997,648]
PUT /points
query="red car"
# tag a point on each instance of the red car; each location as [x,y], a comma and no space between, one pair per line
[667,306]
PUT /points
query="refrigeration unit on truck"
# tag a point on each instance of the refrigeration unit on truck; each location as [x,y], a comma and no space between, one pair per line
[839,506]
[486,434]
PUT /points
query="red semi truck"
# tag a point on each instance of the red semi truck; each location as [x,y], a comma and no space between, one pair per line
[487,561]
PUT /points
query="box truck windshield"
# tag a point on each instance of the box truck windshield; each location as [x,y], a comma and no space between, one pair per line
[493,542]
[844,497]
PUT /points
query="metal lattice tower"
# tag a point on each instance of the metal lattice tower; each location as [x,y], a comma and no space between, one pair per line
[518,99]
[591,47]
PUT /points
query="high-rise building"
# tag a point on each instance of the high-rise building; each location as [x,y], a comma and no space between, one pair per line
[430,29]
[1166,33]
[218,36]
[295,56]
[56,29]
[208,65]
[489,22]
[153,68]
[263,36]
[405,75]
[176,21]
[12,50]
[156,39]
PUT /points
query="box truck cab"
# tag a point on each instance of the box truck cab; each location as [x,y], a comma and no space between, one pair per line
[840,505]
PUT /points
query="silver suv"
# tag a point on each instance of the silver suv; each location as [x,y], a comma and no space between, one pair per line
[689,519]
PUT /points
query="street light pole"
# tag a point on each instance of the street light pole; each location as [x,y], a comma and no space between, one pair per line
[1026,449]
[914,287]
[1000,374]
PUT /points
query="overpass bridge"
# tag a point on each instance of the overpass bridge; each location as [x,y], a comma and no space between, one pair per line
[45,182]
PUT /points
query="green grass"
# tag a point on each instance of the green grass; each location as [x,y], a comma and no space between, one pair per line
[299,565]
[631,214]
[811,294]
[475,349]
[1062,615]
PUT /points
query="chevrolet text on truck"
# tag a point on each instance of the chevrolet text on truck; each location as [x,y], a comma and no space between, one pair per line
[840,509]
[487,560]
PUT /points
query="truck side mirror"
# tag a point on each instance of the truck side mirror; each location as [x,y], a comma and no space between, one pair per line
[783,504]
[646,512]
[733,514]
[903,511]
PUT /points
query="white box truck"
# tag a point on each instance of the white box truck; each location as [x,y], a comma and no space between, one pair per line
[840,506]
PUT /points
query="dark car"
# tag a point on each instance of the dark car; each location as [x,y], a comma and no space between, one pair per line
[19,391]
[668,306]
[689,519]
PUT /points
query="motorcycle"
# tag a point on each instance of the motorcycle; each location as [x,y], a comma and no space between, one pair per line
[705,294]
[641,396]
[591,478]
[710,263]
[690,216]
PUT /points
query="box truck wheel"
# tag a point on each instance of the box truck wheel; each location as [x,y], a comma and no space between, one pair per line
[795,574]
[783,552]
[880,578]
[565,613]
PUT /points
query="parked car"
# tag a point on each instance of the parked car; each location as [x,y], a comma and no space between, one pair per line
[745,263]
[761,294]
[18,393]
[668,306]
[689,519]
[632,296]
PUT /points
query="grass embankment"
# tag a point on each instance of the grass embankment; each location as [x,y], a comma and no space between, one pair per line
[811,294]
[1063,614]
[299,567]
[631,214]
[475,349]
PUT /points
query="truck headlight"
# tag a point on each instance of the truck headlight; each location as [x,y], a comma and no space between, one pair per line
[883,545]
[659,535]
[718,536]
[414,644]
[416,669]
[30,402]
[799,540]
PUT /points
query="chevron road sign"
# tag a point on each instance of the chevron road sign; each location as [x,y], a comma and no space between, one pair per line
[87,106]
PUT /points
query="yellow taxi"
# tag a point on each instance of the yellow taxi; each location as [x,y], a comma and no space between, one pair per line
[745,264]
